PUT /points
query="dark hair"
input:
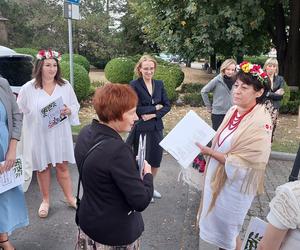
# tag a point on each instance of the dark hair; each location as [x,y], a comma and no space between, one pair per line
[250,79]
[37,74]
[112,100]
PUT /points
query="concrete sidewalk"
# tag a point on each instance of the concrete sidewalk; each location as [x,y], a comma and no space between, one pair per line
[277,174]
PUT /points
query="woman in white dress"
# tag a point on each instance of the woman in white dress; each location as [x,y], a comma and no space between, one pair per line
[236,160]
[283,230]
[50,145]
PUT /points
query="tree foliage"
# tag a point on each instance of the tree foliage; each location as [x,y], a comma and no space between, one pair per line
[193,28]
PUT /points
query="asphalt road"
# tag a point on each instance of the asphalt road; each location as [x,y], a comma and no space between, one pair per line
[169,222]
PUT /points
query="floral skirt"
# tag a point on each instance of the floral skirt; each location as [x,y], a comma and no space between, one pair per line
[86,243]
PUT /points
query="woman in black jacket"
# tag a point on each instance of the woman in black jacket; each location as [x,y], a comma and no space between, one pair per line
[114,193]
[153,104]
[275,95]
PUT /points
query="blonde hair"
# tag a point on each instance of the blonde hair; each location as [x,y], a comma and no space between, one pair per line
[139,64]
[226,64]
[271,61]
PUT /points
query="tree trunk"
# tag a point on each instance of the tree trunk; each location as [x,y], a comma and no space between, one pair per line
[292,65]
[213,61]
[280,39]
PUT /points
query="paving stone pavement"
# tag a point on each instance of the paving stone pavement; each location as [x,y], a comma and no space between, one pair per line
[277,174]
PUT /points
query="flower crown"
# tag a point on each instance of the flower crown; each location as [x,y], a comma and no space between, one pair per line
[48,54]
[255,70]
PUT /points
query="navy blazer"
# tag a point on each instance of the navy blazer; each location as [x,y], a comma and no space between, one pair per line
[147,102]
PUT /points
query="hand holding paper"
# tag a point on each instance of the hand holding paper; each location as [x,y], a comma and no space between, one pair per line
[181,141]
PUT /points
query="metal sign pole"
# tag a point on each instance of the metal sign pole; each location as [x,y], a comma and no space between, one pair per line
[71,11]
[71,52]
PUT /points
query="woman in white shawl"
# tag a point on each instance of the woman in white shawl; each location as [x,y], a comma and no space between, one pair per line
[236,160]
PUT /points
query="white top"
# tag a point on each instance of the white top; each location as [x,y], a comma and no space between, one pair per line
[223,223]
[285,213]
[47,146]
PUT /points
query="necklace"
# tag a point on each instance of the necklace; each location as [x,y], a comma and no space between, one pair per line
[232,124]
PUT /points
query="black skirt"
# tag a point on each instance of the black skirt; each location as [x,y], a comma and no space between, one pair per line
[153,150]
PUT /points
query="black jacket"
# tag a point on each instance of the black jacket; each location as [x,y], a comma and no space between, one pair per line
[278,83]
[113,193]
[146,104]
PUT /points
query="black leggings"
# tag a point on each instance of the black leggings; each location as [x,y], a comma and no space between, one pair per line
[216,121]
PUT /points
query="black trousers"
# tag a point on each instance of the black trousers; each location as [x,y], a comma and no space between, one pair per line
[296,167]
[216,121]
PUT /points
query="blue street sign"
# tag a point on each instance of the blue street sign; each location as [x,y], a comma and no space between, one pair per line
[74,1]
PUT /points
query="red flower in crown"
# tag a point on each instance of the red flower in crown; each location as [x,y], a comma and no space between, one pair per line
[263,75]
[255,68]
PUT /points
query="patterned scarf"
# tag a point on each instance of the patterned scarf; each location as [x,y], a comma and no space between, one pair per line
[250,150]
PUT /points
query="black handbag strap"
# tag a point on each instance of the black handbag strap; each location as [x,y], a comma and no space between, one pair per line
[80,171]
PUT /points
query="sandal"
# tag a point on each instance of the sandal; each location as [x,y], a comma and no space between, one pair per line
[43,210]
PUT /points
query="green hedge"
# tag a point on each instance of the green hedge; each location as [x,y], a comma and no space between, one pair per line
[81,79]
[191,87]
[79,59]
[119,70]
[291,107]
[193,99]
[27,51]
[256,59]
[287,94]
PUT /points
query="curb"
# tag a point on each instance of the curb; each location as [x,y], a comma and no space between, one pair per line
[282,156]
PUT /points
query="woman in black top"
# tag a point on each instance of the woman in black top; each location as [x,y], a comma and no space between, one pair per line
[113,192]
[153,104]
[275,95]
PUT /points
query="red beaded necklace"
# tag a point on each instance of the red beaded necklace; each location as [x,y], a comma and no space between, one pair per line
[232,124]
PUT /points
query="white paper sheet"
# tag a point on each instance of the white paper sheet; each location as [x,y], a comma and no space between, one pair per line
[254,233]
[12,178]
[181,141]
[141,154]
[51,114]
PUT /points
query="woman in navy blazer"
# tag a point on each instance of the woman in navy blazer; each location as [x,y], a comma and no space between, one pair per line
[153,104]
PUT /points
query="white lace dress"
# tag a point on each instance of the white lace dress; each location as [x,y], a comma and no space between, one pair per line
[47,146]
[223,223]
[285,214]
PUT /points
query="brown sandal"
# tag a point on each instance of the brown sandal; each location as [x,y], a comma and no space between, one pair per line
[43,210]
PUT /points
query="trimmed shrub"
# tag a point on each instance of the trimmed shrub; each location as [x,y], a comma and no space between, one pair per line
[193,99]
[166,74]
[78,59]
[291,107]
[256,59]
[119,70]
[287,94]
[81,79]
[191,88]
[27,51]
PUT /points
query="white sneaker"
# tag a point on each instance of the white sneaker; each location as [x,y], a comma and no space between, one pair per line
[152,200]
[156,194]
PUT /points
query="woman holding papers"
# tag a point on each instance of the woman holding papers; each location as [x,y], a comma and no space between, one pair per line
[50,107]
[236,160]
[283,230]
[114,193]
[153,104]
[220,87]
[13,211]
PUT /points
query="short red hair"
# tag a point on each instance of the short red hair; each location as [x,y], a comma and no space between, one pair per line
[112,100]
